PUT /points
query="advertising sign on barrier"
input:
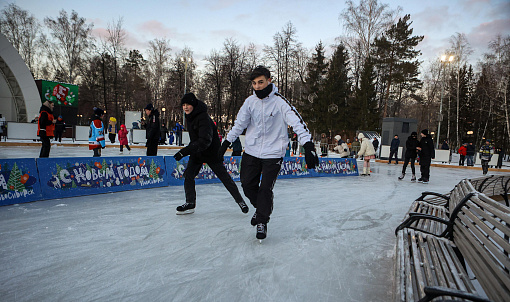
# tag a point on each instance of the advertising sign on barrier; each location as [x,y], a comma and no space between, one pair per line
[67,177]
[292,167]
[19,181]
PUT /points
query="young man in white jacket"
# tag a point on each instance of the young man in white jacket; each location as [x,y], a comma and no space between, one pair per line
[265,115]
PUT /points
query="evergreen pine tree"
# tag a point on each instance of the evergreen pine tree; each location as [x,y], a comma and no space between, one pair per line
[366,115]
[14,182]
[152,170]
[335,95]
[311,108]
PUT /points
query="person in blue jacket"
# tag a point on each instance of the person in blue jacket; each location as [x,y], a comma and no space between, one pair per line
[395,143]
[96,132]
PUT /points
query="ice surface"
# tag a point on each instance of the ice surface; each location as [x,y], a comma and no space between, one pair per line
[329,239]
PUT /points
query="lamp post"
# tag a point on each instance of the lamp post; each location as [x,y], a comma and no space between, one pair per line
[164,109]
[185,60]
[444,60]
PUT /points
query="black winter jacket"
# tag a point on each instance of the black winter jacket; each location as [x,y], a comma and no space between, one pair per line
[411,144]
[203,134]
[152,129]
[427,148]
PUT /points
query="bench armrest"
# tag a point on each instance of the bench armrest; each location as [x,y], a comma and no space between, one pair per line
[425,194]
[418,216]
[432,292]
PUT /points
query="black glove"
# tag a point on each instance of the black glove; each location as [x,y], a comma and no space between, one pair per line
[178,156]
[310,155]
[223,148]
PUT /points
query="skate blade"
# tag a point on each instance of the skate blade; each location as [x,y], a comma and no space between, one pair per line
[190,211]
[260,241]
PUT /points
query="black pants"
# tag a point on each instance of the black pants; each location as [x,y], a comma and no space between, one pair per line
[462,158]
[58,136]
[485,166]
[97,152]
[221,172]
[152,147]
[46,146]
[406,161]
[393,152]
[122,147]
[260,190]
[425,168]
[111,136]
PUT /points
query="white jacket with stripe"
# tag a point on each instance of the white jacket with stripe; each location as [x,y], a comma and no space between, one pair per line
[266,121]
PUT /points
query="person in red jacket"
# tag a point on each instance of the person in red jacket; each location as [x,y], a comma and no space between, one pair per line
[46,127]
[462,153]
[123,140]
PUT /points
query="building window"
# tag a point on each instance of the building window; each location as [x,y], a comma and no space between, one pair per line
[405,127]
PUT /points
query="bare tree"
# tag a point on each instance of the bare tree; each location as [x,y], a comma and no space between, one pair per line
[460,48]
[282,54]
[114,44]
[71,40]
[158,68]
[364,23]
[23,31]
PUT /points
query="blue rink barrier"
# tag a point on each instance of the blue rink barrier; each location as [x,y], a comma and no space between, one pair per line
[77,176]
[19,181]
[292,167]
[28,179]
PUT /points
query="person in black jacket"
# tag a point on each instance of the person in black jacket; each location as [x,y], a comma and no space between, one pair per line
[395,143]
[152,130]
[427,153]
[410,156]
[203,148]
[470,154]
[46,127]
[59,128]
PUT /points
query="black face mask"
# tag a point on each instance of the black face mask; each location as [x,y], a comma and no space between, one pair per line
[264,92]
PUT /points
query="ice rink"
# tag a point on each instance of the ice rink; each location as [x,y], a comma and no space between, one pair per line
[329,239]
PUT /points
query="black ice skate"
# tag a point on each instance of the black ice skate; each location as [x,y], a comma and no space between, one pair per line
[401,176]
[413,179]
[261,231]
[187,208]
[243,206]
[254,219]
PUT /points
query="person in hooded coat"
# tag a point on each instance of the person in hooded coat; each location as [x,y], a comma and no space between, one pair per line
[123,140]
[368,153]
[152,130]
[427,153]
[341,147]
[203,148]
[410,155]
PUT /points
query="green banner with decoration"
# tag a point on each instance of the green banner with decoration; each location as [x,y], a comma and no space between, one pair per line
[62,94]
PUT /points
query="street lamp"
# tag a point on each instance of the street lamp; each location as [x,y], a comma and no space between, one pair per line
[163,109]
[186,61]
[444,60]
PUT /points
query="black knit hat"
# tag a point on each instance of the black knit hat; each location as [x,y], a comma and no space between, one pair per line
[149,107]
[425,131]
[98,111]
[189,98]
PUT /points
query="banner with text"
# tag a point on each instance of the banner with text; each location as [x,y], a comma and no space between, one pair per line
[67,177]
[19,181]
[292,167]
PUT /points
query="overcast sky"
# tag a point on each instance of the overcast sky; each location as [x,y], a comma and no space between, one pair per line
[204,25]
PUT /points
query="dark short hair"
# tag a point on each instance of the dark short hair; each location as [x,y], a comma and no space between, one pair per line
[259,71]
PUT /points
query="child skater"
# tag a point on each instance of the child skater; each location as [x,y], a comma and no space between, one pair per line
[123,139]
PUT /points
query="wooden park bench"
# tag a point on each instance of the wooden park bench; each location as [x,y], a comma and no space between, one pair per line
[475,238]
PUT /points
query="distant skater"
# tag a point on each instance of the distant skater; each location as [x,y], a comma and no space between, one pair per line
[368,153]
[123,140]
[96,132]
[410,156]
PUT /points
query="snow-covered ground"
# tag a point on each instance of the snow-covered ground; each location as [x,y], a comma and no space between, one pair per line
[329,239]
